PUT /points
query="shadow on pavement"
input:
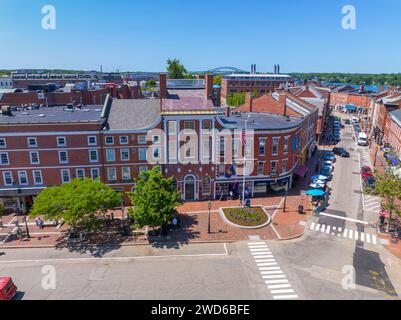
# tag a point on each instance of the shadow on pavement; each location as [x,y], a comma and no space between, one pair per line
[370,271]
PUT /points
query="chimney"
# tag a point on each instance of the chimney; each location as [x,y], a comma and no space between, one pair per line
[275,69]
[283,101]
[209,86]
[163,86]
[278,69]
[249,101]
[254,68]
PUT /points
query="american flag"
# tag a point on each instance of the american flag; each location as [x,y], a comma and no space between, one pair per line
[243,137]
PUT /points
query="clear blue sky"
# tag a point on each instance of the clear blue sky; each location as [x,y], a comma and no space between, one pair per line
[300,35]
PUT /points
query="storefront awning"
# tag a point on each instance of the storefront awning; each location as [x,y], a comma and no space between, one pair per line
[301,171]
[20,192]
[350,107]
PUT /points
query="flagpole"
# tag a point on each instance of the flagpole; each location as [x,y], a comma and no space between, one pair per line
[243,182]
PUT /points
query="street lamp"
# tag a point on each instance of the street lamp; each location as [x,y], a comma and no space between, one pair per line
[285,196]
[209,206]
[24,220]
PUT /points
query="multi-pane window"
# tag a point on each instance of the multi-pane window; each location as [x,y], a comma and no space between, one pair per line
[207,125]
[22,178]
[172,127]
[156,139]
[286,143]
[262,146]
[222,169]
[65,176]
[143,154]
[222,146]
[143,169]
[8,178]
[95,173]
[276,141]
[92,141]
[32,142]
[109,140]
[112,174]
[284,166]
[63,156]
[93,155]
[110,155]
[172,150]
[123,140]
[61,141]
[189,126]
[273,170]
[156,153]
[142,139]
[126,173]
[4,158]
[37,177]
[3,143]
[34,157]
[80,173]
[261,168]
[206,186]
[124,153]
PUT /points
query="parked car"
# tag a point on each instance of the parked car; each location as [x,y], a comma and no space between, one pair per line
[358,129]
[369,183]
[329,157]
[341,152]
[347,121]
[7,288]
[366,172]
[325,171]
[355,119]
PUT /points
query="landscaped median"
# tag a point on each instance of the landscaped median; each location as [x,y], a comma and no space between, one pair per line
[247,218]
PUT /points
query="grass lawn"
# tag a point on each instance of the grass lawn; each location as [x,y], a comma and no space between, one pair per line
[248,217]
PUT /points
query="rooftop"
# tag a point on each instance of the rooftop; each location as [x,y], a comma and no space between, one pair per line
[190,101]
[133,114]
[257,75]
[261,121]
[57,114]
[396,116]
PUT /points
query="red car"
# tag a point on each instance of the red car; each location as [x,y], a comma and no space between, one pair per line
[366,172]
[7,288]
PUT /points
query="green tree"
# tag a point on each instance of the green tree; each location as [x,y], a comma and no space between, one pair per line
[154,199]
[388,187]
[175,69]
[78,203]
[217,80]
[151,83]
[255,93]
[2,210]
[236,99]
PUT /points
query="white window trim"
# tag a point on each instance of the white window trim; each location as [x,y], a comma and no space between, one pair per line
[26,177]
[257,172]
[278,145]
[119,138]
[93,170]
[5,143]
[146,154]
[79,169]
[264,140]
[97,155]
[30,157]
[286,138]
[4,178]
[62,175]
[107,152]
[41,177]
[122,173]
[158,139]
[139,140]
[172,132]
[61,145]
[105,141]
[108,174]
[33,146]
[59,157]
[92,144]
[121,154]
[8,159]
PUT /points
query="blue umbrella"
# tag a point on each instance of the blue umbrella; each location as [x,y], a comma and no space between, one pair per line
[318,177]
[315,192]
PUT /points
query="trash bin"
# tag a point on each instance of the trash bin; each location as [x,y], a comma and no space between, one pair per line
[300,208]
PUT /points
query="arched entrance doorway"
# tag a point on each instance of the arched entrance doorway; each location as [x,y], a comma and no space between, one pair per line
[189,187]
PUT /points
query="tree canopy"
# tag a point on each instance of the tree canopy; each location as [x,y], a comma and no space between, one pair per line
[393,79]
[176,70]
[78,203]
[154,199]
[236,99]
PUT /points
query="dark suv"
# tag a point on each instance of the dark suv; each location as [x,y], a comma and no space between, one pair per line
[341,152]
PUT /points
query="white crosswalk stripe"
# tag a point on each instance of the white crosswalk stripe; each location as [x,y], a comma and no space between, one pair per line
[270,271]
[344,233]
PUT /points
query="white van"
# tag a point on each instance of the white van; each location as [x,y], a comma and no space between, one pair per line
[362,139]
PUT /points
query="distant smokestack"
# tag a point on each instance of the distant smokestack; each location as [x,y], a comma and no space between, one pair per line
[278,69]
[254,68]
[275,69]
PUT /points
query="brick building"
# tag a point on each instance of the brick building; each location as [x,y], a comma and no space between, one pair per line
[196,143]
[263,83]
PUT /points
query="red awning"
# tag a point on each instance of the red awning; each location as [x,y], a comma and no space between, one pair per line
[301,171]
